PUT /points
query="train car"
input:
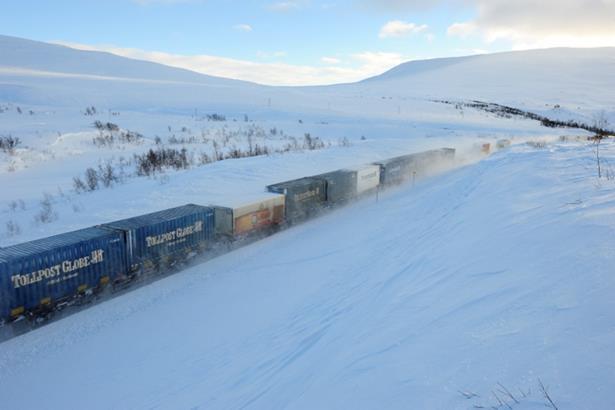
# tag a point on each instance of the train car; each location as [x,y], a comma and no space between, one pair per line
[346,184]
[303,197]
[429,162]
[340,186]
[395,171]
[254,216]
[39,276]
[368,178]
[159,240]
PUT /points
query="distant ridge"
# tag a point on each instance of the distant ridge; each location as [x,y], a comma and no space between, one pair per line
[36,55]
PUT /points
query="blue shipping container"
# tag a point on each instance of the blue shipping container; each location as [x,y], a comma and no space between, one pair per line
[159,239]
[45,271]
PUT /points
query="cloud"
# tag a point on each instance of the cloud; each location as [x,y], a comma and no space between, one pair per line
[243,27]
[330,60]
[404,5]
[364,65]
[270,54]
[548,23]
[284,6]
[398,28]
[462,30]
[152,2]
[378,62]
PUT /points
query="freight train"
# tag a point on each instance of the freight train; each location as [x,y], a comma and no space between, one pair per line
[41,277]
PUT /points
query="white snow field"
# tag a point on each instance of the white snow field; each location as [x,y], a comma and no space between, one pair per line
[494,276]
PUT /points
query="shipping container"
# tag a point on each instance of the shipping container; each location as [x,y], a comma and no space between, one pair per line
[340,186]
[248,218]
[435,160]
[368,178]
[223,222]
[304,197]
[39,274]
[158,240]
[397,170]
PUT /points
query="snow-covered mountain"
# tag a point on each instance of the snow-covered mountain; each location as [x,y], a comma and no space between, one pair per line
[52,58]
[564,76]
[577,80]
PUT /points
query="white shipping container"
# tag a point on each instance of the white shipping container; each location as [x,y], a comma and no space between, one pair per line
[368,178]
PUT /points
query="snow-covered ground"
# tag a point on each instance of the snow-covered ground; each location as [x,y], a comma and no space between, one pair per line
[489,277]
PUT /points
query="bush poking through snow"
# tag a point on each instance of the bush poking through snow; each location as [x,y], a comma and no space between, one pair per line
[79,185]
[12,229]
[502,398]
[47,213]
[91,179]
[156,160]
[537,144]
[8,143]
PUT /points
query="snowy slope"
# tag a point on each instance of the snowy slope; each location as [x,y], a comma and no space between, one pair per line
[579,80]
[36,56]
[499,272]
[566,76]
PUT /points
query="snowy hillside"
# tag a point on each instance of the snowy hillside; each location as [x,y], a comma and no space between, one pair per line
[489,278]
[572,78]
[37,57]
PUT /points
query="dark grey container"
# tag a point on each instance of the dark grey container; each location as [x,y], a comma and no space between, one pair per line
[304,197]
[341,186]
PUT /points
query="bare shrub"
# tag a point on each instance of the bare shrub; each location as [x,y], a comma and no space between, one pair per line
[47,213]
[90,111]
[79,185]
[344,142]
[91,179]
[312,143]
[107,175]
[12,229]
[215,117]
[156,160]
[537,144]
[8,143]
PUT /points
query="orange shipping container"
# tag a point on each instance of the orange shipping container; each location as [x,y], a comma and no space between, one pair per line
[258,215]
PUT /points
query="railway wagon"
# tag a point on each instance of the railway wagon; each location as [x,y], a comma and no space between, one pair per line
[340,186]
[161,239]
[395,171]
[303,197]
[368,178]
[38,276]
[346,184]
[251,217]
[434,160]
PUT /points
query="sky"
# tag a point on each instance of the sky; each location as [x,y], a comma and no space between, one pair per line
[307,42]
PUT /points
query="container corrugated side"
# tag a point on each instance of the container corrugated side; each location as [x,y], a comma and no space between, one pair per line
[303,196]
[368,178]
[58,267]
[341,185]
[397,170]
[258,215]
[161,238]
